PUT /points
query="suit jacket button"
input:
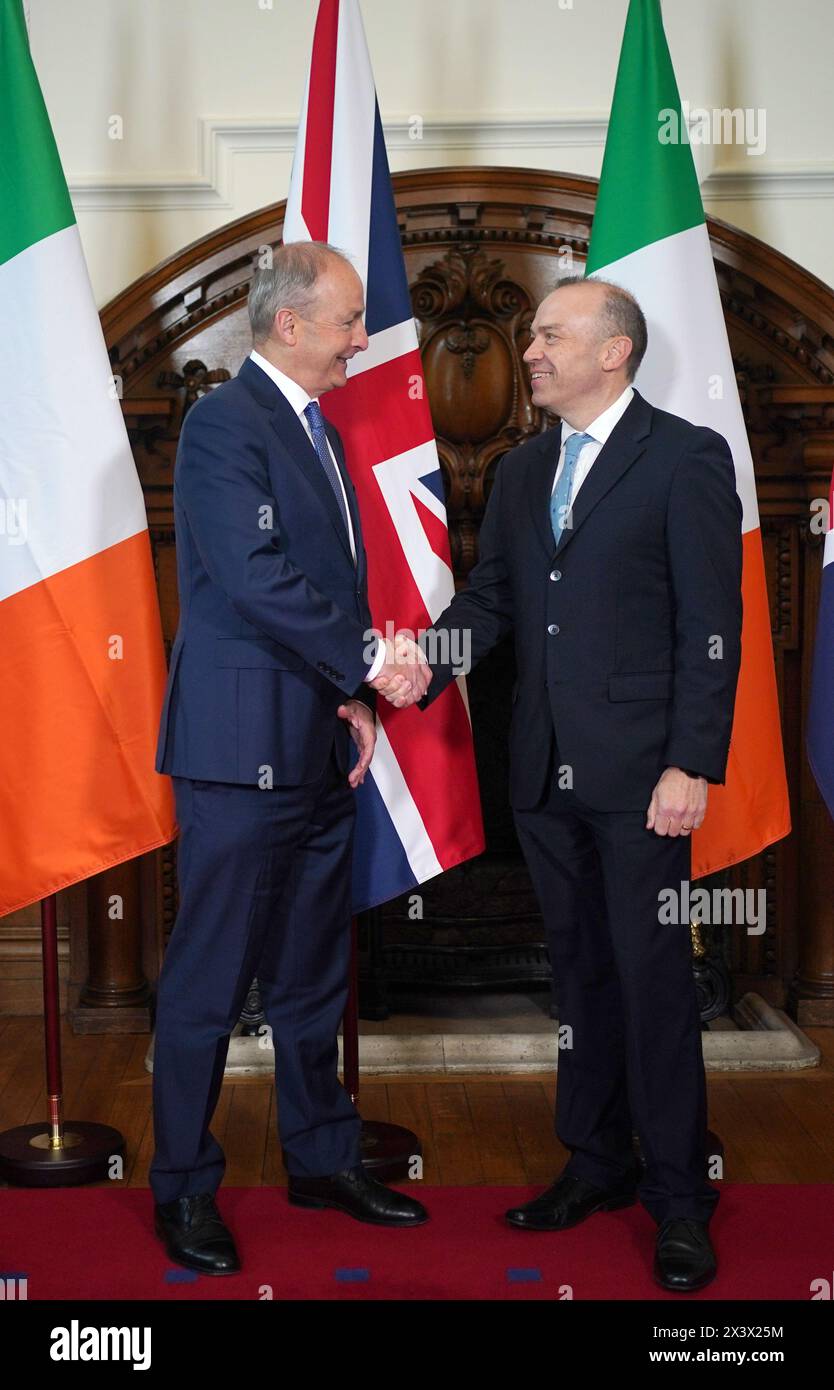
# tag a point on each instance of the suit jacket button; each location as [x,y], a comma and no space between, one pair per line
[555,574]
[553,628]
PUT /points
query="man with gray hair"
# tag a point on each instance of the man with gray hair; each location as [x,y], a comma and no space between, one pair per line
[269,661]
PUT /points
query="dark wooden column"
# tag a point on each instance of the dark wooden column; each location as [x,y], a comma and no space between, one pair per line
[116,995]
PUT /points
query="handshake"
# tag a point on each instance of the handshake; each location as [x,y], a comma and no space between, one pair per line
[406,675]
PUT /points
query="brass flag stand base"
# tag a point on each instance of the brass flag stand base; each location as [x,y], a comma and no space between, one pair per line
[84,1153]
[51,1154]
[388,1151]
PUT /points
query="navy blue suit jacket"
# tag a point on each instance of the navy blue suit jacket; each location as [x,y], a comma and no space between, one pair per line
[273,629]
[615,629]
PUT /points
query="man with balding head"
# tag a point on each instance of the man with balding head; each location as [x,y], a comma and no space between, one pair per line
[611,546]
[270,679]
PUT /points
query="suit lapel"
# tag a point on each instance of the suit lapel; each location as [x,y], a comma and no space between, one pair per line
[543,471]
[296,443]
[353,504]
[301,450]
[623,447]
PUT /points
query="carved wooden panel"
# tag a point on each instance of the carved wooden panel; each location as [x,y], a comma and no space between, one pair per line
[482,247]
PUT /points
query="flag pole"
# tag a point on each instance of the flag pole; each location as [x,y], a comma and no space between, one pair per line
[387,1150]
[56,1156]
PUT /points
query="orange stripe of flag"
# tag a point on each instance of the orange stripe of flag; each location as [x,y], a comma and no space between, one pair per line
[79,792]
[751,810]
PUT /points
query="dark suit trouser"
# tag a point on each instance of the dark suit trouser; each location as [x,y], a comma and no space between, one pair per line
[264,879]
[626,990]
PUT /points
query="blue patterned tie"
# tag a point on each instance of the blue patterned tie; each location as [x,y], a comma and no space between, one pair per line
[560,497]
[316,419]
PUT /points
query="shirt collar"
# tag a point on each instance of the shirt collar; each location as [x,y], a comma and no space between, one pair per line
[602,426]
[295,394]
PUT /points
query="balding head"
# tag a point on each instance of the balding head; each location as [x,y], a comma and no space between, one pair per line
[588,339]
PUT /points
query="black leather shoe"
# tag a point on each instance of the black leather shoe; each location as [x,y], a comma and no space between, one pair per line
[684,1258]
[195,1236]
[360,1195]
[567,1202]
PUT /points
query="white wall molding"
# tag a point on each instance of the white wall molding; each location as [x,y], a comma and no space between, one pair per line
[739,183]
[222,139]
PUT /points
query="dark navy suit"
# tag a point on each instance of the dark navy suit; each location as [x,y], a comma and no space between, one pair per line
[620,675]
[272,638]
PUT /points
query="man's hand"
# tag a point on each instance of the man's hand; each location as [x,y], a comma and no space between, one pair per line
[678,803]
[406,675]
[363,732]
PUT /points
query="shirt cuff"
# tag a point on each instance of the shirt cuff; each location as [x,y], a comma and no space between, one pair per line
[378,662]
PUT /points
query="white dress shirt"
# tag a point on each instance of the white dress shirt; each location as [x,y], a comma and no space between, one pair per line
[599,429]
[299,400]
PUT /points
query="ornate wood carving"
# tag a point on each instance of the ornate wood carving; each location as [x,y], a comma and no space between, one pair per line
[474,322]
[482,246]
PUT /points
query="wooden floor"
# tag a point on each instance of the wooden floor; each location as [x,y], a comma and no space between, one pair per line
[776,1126]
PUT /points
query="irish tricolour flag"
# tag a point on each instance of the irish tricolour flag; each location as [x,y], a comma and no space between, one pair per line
[83,666]
[650,236]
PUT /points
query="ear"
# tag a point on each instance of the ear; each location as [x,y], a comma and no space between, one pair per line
[285,326]
[617,353]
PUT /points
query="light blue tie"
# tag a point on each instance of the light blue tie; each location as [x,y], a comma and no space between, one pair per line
[316,419]
[560,497]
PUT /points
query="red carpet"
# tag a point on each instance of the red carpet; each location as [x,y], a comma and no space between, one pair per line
[97,1243]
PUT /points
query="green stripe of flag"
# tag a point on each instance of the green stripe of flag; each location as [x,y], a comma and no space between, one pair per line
[647,190]
[34,201]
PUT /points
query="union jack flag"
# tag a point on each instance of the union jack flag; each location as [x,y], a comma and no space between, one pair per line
[418,810]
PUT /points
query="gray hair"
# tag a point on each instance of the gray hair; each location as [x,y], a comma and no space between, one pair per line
[290,283]
[620,314]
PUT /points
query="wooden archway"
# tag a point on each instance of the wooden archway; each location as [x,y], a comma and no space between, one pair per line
[480,247]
